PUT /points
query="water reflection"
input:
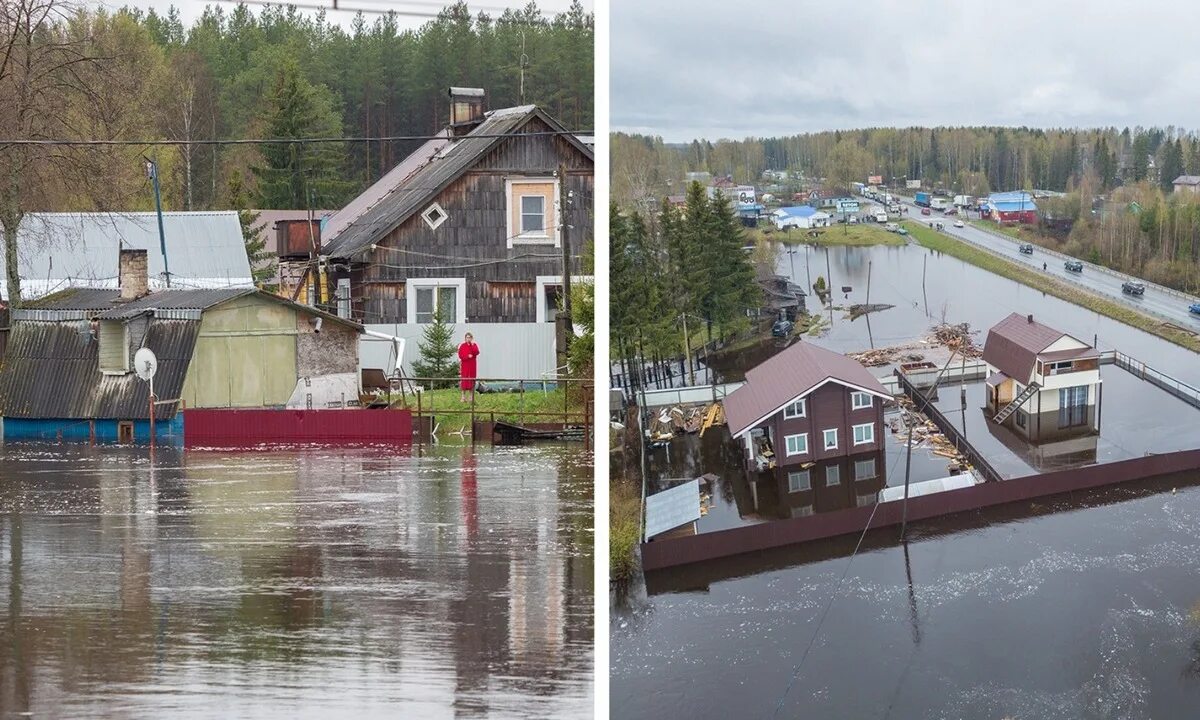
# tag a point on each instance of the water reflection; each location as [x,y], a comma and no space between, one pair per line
[450,584]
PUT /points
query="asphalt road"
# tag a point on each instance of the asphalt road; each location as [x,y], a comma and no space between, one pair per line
[1157,301]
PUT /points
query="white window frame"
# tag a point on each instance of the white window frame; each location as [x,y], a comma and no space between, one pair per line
[800,487]
[825,439]
[870,427]
[787,450]
[856,396]
[434,224]
[874,469]
[460,303]
[837,475]
[547,281]
[551,235]
[787,414]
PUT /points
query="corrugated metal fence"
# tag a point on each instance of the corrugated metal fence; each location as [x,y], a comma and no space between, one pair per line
[513,350]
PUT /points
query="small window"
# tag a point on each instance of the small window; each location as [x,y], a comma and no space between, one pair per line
[434,216]
[1022,418]
[833,476]
[864,434]
[796,444]
[831,439]
[799,481]
[114,347]
[794,410]
[864,469]
[533,215]
[447,298]
[860,400]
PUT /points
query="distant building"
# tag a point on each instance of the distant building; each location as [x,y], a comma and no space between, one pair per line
[704,178]
[1043,383]
[1009,208]
[800,216]
[830,198]
[273,228]
[1187,183]
[64,250]
[809,410]
[68,371]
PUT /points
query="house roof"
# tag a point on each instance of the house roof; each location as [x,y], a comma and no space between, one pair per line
[50,371]
[1013,345]
[409,190]
[789,375]
[58,250]
[1014,206]
[1187,180]
[799,211]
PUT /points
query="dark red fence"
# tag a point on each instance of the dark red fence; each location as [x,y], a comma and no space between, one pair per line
[235,428]
[668,552]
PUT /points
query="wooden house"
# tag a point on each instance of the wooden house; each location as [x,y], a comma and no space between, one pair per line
[806,407]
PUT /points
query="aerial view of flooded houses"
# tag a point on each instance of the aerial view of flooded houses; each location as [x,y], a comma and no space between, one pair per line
[295,362]
[906,424]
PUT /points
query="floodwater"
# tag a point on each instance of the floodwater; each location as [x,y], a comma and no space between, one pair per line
[437,582]
[1061,609]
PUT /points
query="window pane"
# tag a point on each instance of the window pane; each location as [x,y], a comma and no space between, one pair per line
[447,304]
[533,213]
[864,469]
[832,476]
[424,305]
[798,481]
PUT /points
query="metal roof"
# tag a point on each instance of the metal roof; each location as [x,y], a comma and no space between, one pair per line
[800,211]
[57,250]
[1186,180]
[789,375]
[671,508]
[51,371]
[391,206]
[1013,344]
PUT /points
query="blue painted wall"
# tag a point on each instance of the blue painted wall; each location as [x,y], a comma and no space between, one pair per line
[16,429]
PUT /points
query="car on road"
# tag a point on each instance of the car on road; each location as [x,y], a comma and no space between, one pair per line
[1133,288]
[1194,308]
[1027,249]
[782,328]
[951,211]
[959,223]
[925,211]
[1073,266]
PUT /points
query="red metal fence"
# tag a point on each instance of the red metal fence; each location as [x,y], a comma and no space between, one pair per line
[243,428]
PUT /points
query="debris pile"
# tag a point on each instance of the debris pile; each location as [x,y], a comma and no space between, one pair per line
[887,355]
[857,310]
[671,421]
[957,338]
[926,434]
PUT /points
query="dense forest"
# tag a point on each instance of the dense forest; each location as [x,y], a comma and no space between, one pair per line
[70,71]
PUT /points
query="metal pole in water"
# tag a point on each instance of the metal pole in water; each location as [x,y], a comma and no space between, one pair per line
[907,468]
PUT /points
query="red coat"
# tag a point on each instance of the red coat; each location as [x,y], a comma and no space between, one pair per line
[467,352]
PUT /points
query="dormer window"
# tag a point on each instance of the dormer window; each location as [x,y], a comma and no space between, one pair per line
[114,347]
[532,211]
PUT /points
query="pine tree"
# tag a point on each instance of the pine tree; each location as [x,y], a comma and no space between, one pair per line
[437,352]
[257,252]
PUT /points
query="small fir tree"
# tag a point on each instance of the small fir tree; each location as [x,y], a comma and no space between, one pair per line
[437,353]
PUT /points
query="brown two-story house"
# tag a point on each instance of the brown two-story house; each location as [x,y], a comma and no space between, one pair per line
[812,415]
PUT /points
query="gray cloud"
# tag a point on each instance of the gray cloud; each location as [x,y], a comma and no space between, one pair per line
[715,69]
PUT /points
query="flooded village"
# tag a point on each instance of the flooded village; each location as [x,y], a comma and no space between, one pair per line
[969,447]
[329,457]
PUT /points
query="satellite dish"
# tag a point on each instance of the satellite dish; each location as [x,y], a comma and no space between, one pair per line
[145,363]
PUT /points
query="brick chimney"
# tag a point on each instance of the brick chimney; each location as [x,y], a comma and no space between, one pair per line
[467,106]
[133,275]
[1030,318]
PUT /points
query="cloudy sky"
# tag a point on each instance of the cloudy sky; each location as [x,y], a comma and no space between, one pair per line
[719,69]
[420,9]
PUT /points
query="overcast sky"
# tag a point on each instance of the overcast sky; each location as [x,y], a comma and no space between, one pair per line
[192,9]
[718,69]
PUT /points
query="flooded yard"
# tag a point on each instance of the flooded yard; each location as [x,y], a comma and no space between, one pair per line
[301,583]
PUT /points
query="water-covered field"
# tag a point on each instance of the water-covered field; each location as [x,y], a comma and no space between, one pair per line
[428,582]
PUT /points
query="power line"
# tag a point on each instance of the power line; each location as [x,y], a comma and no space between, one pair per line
[288,141]
[336,6]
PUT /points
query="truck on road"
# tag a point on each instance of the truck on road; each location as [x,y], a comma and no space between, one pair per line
[964,201]
[922,199]
[939,203]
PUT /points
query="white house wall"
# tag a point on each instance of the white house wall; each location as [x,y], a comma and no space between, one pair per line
[506,350]
[1066,342]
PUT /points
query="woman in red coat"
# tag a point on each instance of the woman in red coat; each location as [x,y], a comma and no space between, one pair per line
[467,352]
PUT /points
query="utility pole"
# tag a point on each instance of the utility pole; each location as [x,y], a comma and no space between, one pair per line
[152,173]
[907,467]
[564,206]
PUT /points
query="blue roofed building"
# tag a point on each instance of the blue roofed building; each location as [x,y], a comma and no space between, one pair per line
[800,216]
[1012,207]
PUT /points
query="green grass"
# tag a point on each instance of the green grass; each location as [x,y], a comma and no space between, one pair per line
[624,510]
[506,406]
[858,235]
[1051,286]
[1017,232]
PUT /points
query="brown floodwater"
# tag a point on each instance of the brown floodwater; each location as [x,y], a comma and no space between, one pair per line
[432,582]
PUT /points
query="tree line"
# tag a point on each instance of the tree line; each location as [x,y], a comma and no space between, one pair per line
[970,160]
[678,277]
[72,71]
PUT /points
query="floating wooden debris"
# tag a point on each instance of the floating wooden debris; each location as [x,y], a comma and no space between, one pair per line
[857,310]
[957,337]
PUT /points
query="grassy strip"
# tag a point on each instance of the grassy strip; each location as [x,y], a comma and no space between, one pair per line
[1051,286]
[1013,231]
[857,235]
[624,507]
[507,406]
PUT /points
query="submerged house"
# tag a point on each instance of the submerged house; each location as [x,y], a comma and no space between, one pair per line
[1042,383]
[815,419]
[63,250]
[470,225]
[68,373]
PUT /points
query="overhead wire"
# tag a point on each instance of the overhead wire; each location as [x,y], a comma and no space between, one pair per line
[283,141]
